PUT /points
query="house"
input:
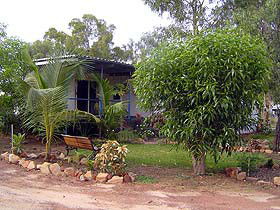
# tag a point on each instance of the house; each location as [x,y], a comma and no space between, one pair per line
[83,94]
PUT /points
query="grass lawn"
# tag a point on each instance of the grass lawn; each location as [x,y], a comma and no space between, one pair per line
[169,156]
[173,157]
[270,137]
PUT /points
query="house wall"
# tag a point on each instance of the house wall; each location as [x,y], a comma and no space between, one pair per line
[71,104]
[127,97]
[133,106]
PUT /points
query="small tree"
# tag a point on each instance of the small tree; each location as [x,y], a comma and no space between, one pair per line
[207,88]
[46,91]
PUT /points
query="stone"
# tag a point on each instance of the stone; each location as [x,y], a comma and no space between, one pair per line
[241,176]
[268,151]
[53,158]
[276,180]
[5,156]
[25,163]
[265,142]
[109,176]
[275,166]
[62,168]
[70,171]
[262,182]
[116,180]
[82,178]
[32,156]
[262,150]
[45,168]
[42,155]
[84,161]
[13,158]
[88,176]
[133,176]
[101,177]
[127,179]
[55,169]
[61,156]
[23,155]
[265,147]
[251,179]
[31,165]
[21,161]
[232,172]
[78,173]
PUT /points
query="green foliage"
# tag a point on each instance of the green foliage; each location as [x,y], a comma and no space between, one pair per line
[112,114]
[111,158]
[88,36]
[126,136]
[12,70]
[189,13]
[250,162]
[146,179]
[265,136]
[206,88]
[150,126]
[17,143]
[150,40]
[269,163]
[91,165]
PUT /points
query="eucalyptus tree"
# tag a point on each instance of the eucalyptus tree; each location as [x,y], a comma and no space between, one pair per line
[206,87]
[190,14]
[89,36]
[46,92]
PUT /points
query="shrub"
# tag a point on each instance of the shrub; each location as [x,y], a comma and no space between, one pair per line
[111,158]
[250,162]
[125,136]
[17,143]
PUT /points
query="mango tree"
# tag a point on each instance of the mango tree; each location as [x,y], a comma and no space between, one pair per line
[207,88]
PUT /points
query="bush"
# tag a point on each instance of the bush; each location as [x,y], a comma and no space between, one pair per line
[111,158]
[126,136]
[17,143]
[250,162]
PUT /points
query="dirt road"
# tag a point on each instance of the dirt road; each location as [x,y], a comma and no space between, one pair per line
[22,190]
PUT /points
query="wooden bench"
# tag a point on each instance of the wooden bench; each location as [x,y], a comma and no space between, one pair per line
[79,142]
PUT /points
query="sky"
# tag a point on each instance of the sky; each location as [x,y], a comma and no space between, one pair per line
[30,19]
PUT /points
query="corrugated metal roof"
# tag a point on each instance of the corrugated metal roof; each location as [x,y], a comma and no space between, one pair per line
[44,61]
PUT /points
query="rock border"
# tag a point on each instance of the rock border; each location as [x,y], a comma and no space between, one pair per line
[56,170]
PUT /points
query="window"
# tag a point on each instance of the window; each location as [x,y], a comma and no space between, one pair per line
[86,94]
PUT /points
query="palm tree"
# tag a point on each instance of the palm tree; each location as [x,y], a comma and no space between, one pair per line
[46,93]
[112,114]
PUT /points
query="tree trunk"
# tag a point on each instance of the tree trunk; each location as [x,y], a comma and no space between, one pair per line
[48,149]
[277,136]
[199,165]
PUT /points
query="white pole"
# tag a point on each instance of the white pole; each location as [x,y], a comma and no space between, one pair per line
[12,133]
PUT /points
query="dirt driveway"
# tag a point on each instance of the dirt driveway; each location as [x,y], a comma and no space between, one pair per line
[20,189]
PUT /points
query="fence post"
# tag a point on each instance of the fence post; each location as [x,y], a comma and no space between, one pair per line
[12,133]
